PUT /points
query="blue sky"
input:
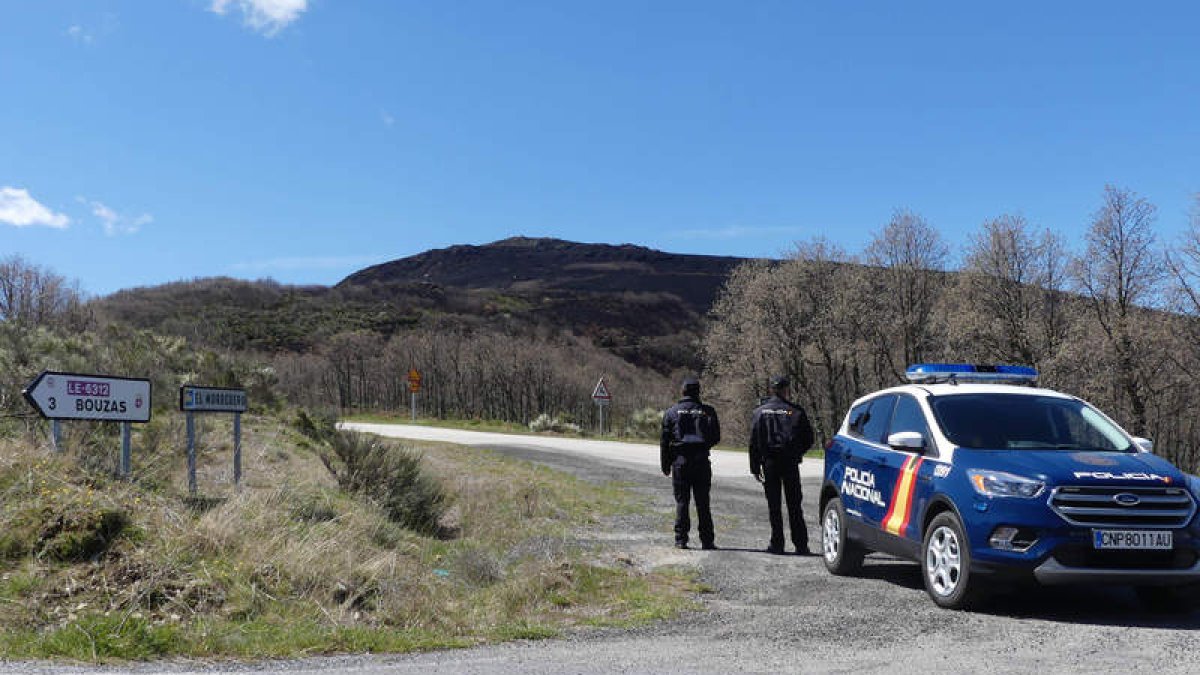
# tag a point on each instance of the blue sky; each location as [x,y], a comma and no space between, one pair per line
[143,142]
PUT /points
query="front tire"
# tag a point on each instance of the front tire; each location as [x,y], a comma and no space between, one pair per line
[843,557]
[946,563]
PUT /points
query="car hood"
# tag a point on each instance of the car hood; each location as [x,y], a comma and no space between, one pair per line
[1066,467]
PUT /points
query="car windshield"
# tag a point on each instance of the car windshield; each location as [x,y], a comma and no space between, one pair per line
[1024,422]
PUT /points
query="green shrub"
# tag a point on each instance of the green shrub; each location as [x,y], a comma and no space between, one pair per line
[645,423]
[78,537]
[556,423]
[319,425]
[389,475]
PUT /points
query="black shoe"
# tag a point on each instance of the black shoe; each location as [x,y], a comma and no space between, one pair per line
[775,550]
[709,546]
[680,545]
[804,551]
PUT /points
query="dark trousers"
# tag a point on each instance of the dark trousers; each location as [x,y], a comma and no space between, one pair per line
[692,478]
[784,473]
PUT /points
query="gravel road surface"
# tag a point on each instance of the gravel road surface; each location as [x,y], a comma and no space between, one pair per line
[778,613]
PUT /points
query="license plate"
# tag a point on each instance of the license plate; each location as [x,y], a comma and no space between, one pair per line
[1140,540]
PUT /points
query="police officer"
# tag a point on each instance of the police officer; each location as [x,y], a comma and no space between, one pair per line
[780,434]
[689,430]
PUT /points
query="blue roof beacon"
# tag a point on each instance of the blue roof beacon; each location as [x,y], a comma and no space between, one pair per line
[966,372]
[979,475]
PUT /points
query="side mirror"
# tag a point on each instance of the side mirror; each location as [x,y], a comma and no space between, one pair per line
[1143,444]
[907,440]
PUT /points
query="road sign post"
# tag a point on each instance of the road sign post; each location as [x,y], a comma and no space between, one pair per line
[194,400]
[191,452]
[237,449]
[603,398]
[61,397]
[414,386]
[126,450]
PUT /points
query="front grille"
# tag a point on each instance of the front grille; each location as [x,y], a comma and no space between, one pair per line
[1124,507]
[1082,555]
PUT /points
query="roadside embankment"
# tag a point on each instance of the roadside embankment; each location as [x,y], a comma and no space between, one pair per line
[336,542]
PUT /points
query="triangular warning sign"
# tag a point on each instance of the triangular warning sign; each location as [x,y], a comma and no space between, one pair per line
[600,393]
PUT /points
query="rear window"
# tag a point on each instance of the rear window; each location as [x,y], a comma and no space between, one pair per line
[869,420]
[1018,421]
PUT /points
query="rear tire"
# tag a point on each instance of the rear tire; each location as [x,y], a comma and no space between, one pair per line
[946,563]
[842,556]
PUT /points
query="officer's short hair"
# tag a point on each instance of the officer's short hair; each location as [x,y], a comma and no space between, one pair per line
[690,385]
[780,382]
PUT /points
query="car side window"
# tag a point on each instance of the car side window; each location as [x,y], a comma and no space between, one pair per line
[858,418]
[876,424]
[910,417]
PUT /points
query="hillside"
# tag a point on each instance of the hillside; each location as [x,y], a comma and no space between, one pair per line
[644,305]
[524,265]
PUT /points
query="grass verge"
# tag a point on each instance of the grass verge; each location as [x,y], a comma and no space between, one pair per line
[306,558]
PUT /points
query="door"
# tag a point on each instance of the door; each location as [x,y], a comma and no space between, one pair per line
[863,490]
[901,470]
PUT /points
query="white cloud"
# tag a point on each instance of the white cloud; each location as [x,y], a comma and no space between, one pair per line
[265,16]
[80,34]
[115,223]
[91,32]
[308,263]
[386,118]
[19,209]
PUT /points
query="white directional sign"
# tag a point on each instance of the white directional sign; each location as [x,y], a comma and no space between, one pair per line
[72,396]
[212,399]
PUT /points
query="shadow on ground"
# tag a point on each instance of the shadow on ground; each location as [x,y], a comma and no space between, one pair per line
[1091,605]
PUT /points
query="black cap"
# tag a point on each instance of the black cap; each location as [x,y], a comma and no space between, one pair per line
[780,382]
[690,383]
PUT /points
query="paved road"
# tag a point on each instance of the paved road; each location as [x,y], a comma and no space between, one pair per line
[786,613]
[726,464]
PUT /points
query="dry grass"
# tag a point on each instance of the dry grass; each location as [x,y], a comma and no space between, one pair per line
[96,568]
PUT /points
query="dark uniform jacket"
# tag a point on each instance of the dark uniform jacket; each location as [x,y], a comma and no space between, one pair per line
[690,428]
[779,429]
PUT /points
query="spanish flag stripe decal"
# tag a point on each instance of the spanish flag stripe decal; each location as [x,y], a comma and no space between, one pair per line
[891,513]
[898,515]
[912,487]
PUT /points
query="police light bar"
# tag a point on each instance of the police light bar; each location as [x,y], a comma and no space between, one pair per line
[929,373]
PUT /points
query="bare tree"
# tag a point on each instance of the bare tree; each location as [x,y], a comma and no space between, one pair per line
[913,256]
[1012,283]
[35,296]
[1121,271]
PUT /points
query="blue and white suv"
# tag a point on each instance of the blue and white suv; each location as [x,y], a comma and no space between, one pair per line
[976,475]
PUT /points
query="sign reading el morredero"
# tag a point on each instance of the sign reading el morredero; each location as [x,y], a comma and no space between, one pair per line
[103,398]
[212,399]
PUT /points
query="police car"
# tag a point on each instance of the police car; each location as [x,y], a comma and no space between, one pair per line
[980,476]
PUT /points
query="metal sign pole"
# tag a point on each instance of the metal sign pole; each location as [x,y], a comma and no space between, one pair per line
[237,449]
[601,419]
[413,397]
[56,435]
[126,450]
[191,452]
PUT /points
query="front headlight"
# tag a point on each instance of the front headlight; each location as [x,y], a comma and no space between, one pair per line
[1001,484]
